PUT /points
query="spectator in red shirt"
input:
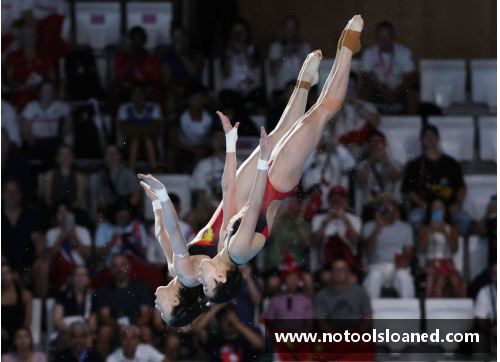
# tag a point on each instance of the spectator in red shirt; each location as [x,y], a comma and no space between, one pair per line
[27,68]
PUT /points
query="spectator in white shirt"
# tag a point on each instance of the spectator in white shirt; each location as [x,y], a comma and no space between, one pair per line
[388,70]
[10,123]
[485,309]
[132,350]
[287,55]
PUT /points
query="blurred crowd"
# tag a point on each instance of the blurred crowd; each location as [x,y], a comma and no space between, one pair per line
[102,264]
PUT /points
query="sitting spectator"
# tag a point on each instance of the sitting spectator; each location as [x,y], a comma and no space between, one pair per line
[432,175]
[132,350]
[10,123]
[288,54]
[190,132]
[336,233]
[140,124]
[64,182]
[355,120]
[15,166]
[137,65]
[249,296]
[240,70]
[388,244]
[388,70]
[122,302]
[69,245]
[485,309]
[172,336]
[79,336]
[75,303]
[23,348]
[116,181]
[26,68]
[377,174]
[231,340]
[41,121]
[181,66]
[342,305]
[22,239]
[438,240]
[122,233]
[16,308]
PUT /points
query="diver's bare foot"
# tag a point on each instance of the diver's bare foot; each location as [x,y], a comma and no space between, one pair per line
[356,23]
[310,68]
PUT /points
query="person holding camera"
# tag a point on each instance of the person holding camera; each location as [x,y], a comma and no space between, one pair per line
[388,244]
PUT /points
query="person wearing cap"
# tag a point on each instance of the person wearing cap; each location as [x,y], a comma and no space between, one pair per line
[435,175]
[388,244]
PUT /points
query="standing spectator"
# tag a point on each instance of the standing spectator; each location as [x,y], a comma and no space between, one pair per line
[41,121]
[16,308]
[116,181]
[26,68]
[122,302]
[377,174]
[22,239]
[69,245]
[336,233]
[388,244]
[432,175]
[342,305]
[23,348]
[231,341]
[485,309]
[132,350]
[388,70]
[79,347]
[249,297]
[64,182]
[140,124]
[288,54]
[11,123]
[439,240]
[15,166]
[190,131]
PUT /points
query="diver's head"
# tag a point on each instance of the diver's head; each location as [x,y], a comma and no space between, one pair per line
[220,283]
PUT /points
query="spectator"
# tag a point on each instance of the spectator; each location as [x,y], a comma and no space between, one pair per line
[388,70]
[231,340]
[172,339]
[79,348]
[181,66]
[132,350]
[137,65]
[377,174]
[140,124]
[16,309]
[26,68]
[190,131]
[122,302]
[15,166]
[41,122]
[69,245]
[64,182]
[355,120]
[10,123]
[23,348]
[288,54]
[240,69]
[336,233]
[485,311]
[116,181]
[389,248]
[75,303]
[22,239]
[439,240]
[487,228]
[432,175]
[278,106]
[249,297]
[342,305]
[123,233]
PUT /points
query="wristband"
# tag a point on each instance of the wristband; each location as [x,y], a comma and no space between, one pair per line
[262,165]
[162,194]
[231,138]
[182,256]
[156,205]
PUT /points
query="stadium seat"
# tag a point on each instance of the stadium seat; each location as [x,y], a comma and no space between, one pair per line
[98,24]
[442,81]
[154,17]
[456,136]
[395,308]
[49,313]
[177,184]
[478,255]
[36,320]
[402,135]
[480,188]
[458,256]
[488,138]
[484,81]
[439,312]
